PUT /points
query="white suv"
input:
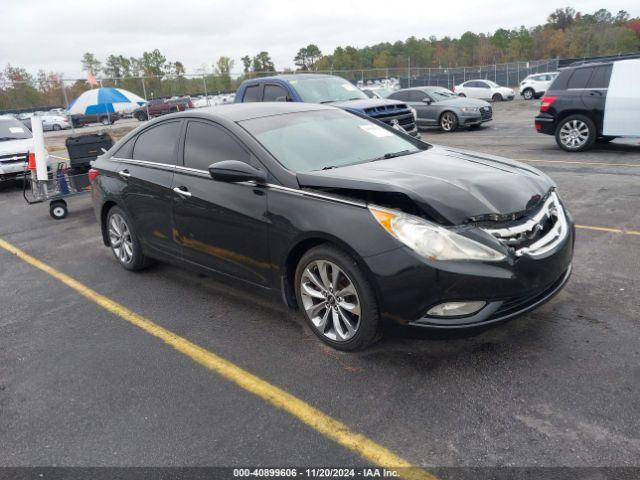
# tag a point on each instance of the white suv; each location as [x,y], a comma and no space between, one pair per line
[484,90]
[16,142]
[536,84]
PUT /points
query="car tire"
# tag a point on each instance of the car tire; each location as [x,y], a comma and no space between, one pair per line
[57,127]
[497,97]
[576,133]
[448,122]
[462,95]
[105,121]
[528,94]
[123,240]
[348,322]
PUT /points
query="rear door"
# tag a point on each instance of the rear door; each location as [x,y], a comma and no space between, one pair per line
[622,103]
[274,93]
[146,166]
[220,226]
[595,93]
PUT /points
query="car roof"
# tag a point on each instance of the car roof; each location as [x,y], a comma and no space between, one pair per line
[237,112]
[293,76]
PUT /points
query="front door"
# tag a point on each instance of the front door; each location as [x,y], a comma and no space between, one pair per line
[220,226]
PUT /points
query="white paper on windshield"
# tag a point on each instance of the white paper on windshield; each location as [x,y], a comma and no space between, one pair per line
[16,130]
[376,131]
[348,86]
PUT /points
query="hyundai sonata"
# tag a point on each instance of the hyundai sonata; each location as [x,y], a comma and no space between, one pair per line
[349,220]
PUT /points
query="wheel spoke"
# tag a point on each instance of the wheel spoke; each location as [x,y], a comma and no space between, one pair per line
[350,307]
[322,324]
[351,329]
[335,316]
[322,270]
[315,280]
[311,292]
[313,310]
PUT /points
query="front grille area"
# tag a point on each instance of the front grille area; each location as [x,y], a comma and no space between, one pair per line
[393,115]
[13,158]
[537,234]
[486,113]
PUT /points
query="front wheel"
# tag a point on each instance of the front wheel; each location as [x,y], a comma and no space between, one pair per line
[336,299]
[576,133]
[448,121]
[123,241]
[528,94]
[497,97]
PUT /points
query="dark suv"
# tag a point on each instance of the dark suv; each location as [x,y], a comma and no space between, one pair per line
[573,109]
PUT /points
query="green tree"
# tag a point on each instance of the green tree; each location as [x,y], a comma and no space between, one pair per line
[262,63]
[307,57]
[90,63]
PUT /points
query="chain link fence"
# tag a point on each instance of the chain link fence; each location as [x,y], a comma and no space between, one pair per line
[19,96]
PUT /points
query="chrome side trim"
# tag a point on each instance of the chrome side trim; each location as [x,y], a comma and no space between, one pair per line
[196,171]
[145,163]
[307,193]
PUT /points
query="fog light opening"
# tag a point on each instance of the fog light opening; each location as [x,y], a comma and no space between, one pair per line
[455,309]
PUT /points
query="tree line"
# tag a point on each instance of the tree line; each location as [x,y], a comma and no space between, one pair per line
[567,33]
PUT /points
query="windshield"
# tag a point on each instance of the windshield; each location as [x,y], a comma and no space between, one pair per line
[441,94]
[322,139]
[326,89]
[11,129]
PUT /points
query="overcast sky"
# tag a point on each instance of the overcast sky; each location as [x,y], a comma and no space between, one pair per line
[53,34]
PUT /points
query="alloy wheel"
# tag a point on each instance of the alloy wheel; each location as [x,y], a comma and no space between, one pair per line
[120,238]
[447,122]
[330,300]
[528,94]
[574,134]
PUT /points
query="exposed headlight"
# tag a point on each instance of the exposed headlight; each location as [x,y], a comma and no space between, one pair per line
[469,109]
[430,240]
[415,114]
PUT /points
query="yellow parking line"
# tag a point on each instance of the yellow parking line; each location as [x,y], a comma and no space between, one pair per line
[581,163]
[311,416]
[609,229]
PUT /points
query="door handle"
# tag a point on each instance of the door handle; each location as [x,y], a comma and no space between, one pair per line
[124,173]
[595,93]
[183,192]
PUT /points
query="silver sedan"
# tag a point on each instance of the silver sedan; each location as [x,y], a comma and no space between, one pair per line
[437,106]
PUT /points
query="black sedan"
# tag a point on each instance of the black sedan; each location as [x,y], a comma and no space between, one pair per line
[347,219]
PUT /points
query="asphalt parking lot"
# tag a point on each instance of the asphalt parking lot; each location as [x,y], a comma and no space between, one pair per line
[82,385]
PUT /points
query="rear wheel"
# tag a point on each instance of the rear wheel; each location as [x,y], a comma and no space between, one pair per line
[448,121]
[123,241]
[528,94]
[576,133]
[497,97]
[57,127]
[104,121]
[336,299]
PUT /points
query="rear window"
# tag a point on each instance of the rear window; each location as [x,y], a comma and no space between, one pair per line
[251,94]
[600,78]
[158,144]
[580,77]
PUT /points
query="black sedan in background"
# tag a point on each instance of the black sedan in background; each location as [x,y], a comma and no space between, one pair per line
[347,219]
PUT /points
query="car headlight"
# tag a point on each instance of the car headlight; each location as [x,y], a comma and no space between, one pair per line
[415,114]
[469,109]
[430,240]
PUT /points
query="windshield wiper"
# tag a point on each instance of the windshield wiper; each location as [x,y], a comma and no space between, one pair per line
[328,167]
[401,153]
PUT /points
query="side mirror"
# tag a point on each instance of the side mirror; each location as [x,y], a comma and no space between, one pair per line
[426,100]
[233,171]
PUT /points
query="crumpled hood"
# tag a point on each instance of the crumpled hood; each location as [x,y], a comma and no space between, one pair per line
[448,184]
[22,145]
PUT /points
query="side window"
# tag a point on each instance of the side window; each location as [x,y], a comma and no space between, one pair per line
[206,143]
[600,78]
[580,77]
[158,144]
[402,96]
[251,94]
[483,85]
[274,93]
[417,96]
[126,150]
